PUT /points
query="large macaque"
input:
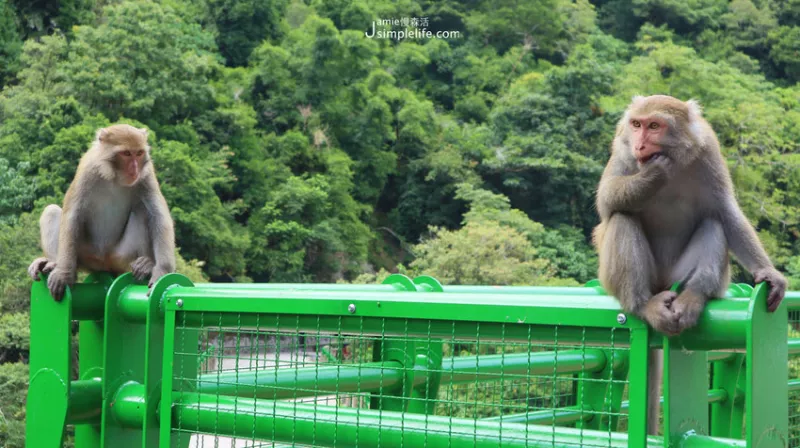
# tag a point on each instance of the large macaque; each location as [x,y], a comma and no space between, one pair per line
[114,218]
[668,214]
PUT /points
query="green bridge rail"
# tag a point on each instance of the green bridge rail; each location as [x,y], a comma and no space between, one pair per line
[407,363]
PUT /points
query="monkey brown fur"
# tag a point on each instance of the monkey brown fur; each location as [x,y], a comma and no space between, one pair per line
[114,216]
[668,214]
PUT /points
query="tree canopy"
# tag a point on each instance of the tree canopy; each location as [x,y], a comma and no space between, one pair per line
[292,147]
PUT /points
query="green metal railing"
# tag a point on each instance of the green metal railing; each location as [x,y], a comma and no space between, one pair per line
[407,363]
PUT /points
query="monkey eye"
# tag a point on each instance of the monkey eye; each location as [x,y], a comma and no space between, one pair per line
[636,123]
[140,153]
[653,125]
[126,153]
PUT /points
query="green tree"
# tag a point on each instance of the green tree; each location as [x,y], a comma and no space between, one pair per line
[243,25]
[144,62]
[10,42]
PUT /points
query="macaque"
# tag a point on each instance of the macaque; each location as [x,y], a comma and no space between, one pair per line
[668,214]
[114,219]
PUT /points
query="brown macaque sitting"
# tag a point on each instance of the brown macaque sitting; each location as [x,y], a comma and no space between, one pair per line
[668,214]
[114,219]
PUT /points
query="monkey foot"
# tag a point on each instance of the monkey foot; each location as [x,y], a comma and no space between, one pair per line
[660,315]
[688,307]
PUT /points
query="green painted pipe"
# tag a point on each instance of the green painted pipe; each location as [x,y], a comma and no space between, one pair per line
[792,299]
[305,382]
[721,327]
[128,405]
[469,369]
[85,401]
[692,440]
[558,416]
[374,377]
[572,414]
[134,303]
[794,385]
[88,301]
[305,424]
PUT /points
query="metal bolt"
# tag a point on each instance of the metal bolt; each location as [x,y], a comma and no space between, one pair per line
[351,308]
[621,318]
[179,303]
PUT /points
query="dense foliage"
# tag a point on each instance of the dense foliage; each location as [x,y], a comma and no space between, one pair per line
[292,147]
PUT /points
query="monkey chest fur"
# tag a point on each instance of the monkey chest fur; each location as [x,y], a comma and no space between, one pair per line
[112,207]
[671,218]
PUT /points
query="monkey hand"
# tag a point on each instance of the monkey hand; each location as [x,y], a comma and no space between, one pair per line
[659,314]
[142,268]
[58,281]
[777,286]
[659,168]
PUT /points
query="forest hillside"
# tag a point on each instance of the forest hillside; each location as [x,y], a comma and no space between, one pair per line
[311,141]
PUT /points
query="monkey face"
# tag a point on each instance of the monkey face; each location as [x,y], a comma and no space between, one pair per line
[647,136]
[125,153]
[129,163]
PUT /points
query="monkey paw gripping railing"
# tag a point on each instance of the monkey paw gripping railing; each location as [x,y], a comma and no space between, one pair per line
[407,363]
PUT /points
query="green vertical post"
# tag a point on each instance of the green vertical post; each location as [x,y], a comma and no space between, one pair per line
[90,349]
[727,416]
[685,392]
[50,358]
[167,375]
[767,398]
[637,387]
[154,354]
[417,358]
[124,362]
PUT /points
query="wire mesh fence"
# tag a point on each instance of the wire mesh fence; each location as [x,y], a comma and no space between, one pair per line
[794,381]
[317,387]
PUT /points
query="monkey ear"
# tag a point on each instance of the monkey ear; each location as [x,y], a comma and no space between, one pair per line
[695,109]
[636,98]
[102,134]
[143,131]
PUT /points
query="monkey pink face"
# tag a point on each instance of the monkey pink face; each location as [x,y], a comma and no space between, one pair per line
[647,135]
[129,164]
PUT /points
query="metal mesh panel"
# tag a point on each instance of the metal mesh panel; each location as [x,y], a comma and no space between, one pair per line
[309,387]
[794,381]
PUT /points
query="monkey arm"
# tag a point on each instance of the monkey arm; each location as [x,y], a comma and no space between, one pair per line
[68,236]
[160,227]
[625,193]
[743,239]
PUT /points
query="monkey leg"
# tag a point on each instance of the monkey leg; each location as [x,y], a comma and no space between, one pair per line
[627,266]
[703,269]
[133,252]
[49,224]
[628,271]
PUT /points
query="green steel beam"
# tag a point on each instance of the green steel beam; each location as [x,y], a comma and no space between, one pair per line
[572,414]
[49,365]
[304,424]
[766,369]
[722,326]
